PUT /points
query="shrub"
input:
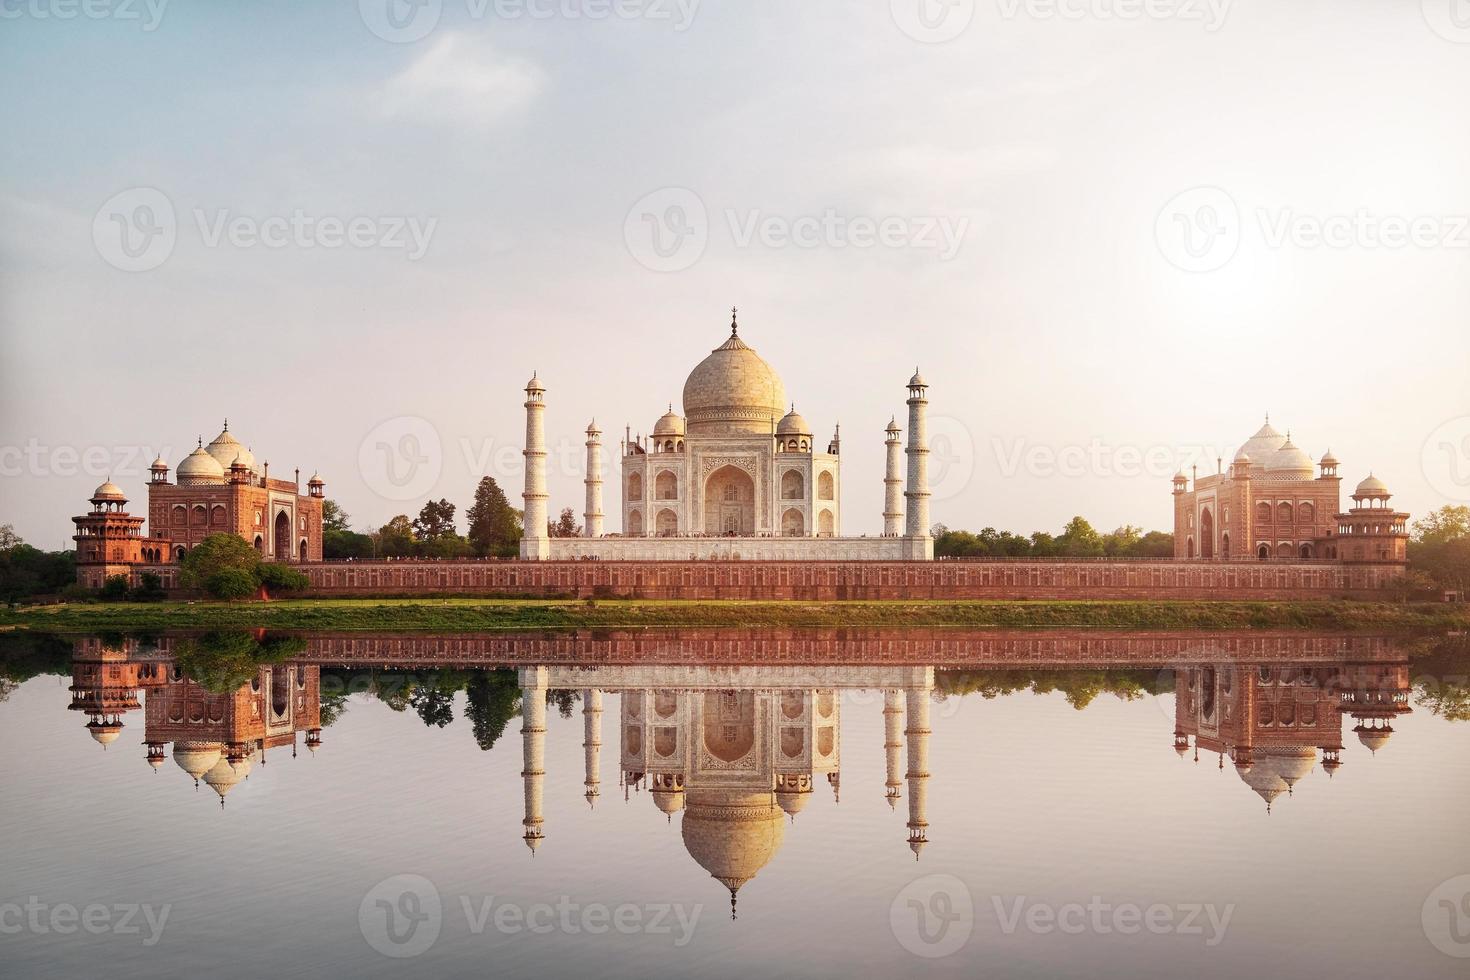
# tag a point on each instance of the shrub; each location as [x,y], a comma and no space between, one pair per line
[150,588]
[115,589]
[280,578]
[215,554]
[231,584]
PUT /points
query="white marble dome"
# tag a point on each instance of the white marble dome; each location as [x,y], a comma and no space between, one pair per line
[1263,445]
[793,425]
[1290,463]
[108,491]
[1371,487]
[200,467]
[671,424]
[734,390]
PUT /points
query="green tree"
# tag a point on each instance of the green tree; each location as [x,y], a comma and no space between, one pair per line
[1079,540]
[8,538]
[218,553]
[435,521]
[1440,547]
[565,526]
[495,527]
[334,518]
[27,572]
[231,584]
[115,589]
[396,539]
[279,578]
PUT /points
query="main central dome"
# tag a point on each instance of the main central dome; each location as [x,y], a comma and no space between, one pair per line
[733,390]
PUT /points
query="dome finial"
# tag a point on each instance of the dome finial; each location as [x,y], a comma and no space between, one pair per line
[734,326]
[227,425]
[199,442]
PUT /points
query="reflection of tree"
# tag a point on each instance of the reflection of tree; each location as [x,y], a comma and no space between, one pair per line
[493,699]
[224,661]
[333,707]
[1442,678]
[564,701]
[25,655]
[1079,687]
[6,686]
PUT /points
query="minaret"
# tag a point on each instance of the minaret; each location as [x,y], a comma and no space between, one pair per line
[592,519]
[917,734]
[893,741]
[533,748]
[917,494]
[893,484]
[535,545]
[592,742]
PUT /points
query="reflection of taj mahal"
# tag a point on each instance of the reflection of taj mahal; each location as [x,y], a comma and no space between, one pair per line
[737,752]
[739,474]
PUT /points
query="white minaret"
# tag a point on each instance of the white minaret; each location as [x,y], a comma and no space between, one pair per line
[535,545]
[917,494]
[893,741]
[533,750]
[592,742]
[917,734]
[893,484]
[592,519]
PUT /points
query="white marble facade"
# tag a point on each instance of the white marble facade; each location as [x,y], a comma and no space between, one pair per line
[739,475]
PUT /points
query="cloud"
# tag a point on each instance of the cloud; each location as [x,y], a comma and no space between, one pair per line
[460,82]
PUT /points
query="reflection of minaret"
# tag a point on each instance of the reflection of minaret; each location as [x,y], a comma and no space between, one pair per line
[533,745]
[917,733]
[592,742]
[893,741]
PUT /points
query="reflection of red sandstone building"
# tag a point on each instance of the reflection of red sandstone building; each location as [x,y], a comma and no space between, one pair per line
[1271,503]
[216,737]
[1271,720]
[220,490]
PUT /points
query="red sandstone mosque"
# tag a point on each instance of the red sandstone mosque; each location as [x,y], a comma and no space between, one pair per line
[220,490]
[1272,503]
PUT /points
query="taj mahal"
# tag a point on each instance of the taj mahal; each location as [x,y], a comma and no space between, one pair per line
[738,475]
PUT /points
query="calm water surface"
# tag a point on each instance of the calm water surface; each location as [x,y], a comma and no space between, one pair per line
[712,805]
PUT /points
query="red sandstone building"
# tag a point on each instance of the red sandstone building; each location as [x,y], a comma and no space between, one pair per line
[220,489]
[1272,503]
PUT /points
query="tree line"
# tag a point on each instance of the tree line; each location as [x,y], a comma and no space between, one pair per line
[1078,539]
[495,530]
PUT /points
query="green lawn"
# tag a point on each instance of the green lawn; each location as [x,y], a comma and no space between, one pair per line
[466,615]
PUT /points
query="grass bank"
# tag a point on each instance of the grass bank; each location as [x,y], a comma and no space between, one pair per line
[475,615]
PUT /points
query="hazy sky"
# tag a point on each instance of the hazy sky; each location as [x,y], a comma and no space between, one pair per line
[1103,229]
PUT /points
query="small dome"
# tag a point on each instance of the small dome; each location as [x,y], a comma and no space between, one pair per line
[793,801]
[1371,487]
[1290,462]
[156,761]
[1263,445]
[892,425]
[917,381]
[158,464]
[1373,739]
[793,424]
[1181,749]
[225,448]
[200,467]
[670,424]
[535,383]
[196,758]
[1329,459]
[669,800]
[1242,456]
[109,491]
[315,481]
[223,776]
[104,734]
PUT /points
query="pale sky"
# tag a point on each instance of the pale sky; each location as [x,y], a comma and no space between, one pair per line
[1104,233]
